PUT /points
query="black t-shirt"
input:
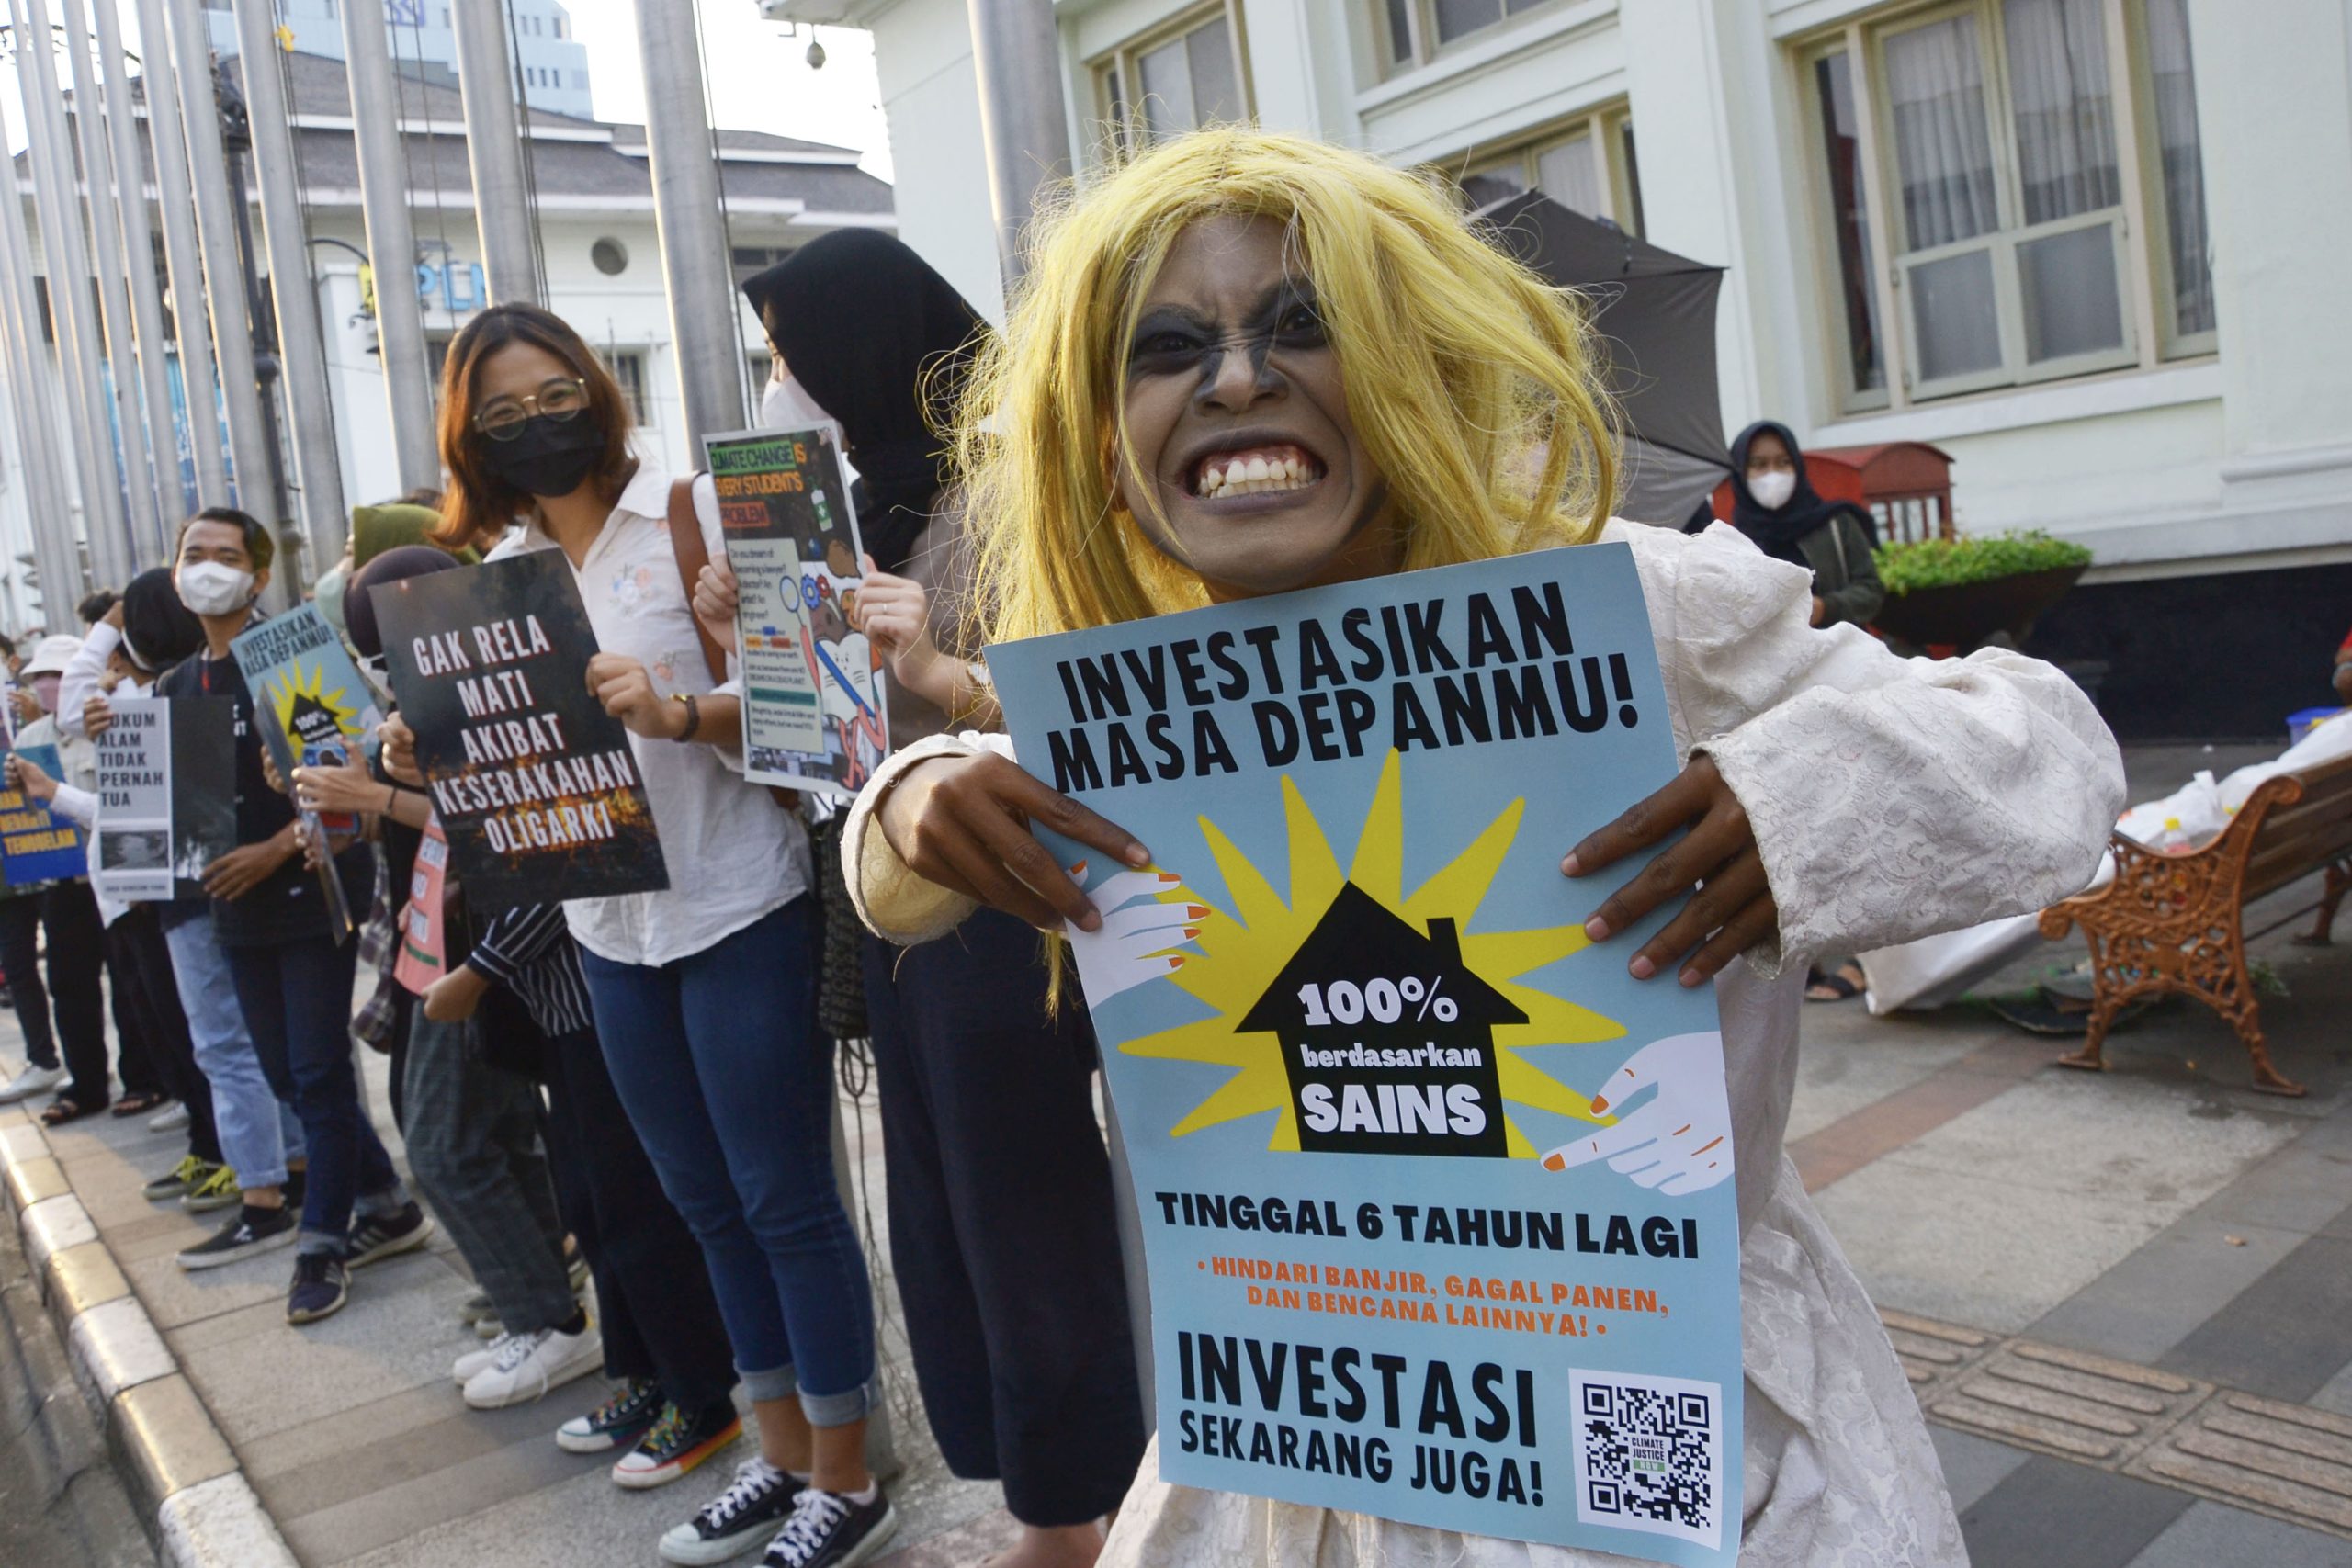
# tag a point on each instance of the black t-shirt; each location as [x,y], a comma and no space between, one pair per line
[288,906]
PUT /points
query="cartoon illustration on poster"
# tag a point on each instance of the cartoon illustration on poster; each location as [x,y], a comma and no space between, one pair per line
[313,711]
[1436,1198]
[166,795]
[534,783]
[35,845]
[813,709]
[424,955]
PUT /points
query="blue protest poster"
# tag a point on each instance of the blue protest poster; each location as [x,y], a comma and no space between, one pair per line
[1437,1200]
[35,845]
[312,709]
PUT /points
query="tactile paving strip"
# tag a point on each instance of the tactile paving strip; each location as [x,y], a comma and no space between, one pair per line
[2291,1462]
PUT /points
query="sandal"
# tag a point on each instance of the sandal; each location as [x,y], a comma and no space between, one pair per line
[63,1110]
[1844,985]
[132,1104]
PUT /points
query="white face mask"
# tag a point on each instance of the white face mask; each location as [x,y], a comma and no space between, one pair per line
[786,405]
[1772,490]
[207,587]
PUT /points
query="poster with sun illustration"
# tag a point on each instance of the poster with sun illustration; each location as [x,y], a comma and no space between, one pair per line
[1436,1198]
[314,709]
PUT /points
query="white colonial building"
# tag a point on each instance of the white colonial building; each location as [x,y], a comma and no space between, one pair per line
[2093,249]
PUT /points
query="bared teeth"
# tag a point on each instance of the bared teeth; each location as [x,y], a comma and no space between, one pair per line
[1257,471]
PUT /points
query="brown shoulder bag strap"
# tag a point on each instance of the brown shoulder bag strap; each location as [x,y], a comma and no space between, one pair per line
[687,542]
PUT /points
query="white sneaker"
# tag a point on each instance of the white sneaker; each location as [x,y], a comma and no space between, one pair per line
[169,1121]
[481,1360]
[530,1364]
[29,1082]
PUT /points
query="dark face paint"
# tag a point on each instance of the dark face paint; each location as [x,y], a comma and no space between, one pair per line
[1231,354]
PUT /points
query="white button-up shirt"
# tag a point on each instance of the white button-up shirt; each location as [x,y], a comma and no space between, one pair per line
[734,854]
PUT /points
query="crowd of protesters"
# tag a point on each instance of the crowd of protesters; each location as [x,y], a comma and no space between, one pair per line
[639,1090]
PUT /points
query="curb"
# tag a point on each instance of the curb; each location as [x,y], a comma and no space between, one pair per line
[179,1468]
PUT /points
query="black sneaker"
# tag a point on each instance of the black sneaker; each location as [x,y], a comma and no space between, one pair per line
[732,1523]
[372,1240]
[676,1444]
[830,1530]
[252,1233]
[617,1423]
[320,1288]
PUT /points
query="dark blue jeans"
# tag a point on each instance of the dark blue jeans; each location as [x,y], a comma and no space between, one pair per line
[296,1000]
[729,1085]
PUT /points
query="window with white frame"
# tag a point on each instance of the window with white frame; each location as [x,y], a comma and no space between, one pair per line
[2001,156]
[1175,79]
[1587,165]
[1416,31]
[628,369]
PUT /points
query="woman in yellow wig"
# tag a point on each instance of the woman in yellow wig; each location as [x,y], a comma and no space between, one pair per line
[1248,363]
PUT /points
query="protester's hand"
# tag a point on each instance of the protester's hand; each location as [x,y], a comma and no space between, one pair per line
[96,714]
[1734,902]
[963,822]
[453,997]
[26,704]
[400,751]
[1820,609]
[26,774]
[622,685]
[248,866]
[347,789]
[2344,680]
[895,614]
[716,598]
[1679,1140]
[269,773]
[113,617]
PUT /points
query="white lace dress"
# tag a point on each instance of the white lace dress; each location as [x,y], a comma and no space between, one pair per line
[1891,799]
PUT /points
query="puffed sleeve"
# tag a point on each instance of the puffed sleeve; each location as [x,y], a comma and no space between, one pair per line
[1890,797]
[895,903]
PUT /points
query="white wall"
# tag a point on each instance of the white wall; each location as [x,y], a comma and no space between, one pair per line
[2225,463]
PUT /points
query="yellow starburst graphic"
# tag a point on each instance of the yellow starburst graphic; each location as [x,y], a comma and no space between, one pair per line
[1240,951]
[296,696]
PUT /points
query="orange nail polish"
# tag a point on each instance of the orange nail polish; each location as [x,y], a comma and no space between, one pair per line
[1600,1105]
[1554,1162]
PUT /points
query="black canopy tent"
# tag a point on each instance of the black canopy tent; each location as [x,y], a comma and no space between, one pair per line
[1653,313]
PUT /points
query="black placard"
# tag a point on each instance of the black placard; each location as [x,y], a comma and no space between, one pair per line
[537,789]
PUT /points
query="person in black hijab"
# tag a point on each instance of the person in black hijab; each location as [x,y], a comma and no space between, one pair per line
[1776,506]
[1003,1231]
[872,338]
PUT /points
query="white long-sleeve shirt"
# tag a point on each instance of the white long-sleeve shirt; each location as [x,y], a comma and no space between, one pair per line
[1890,798]
[84,676]
[733,855]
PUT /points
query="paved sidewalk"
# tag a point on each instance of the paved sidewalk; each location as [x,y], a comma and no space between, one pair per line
[2126,1299]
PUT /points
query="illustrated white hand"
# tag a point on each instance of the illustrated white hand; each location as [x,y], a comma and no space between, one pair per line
[1680,1140]
[1138,930]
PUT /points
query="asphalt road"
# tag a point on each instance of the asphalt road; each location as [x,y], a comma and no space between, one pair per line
[62,1503]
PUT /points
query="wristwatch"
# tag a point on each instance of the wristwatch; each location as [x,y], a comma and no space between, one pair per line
[693,715]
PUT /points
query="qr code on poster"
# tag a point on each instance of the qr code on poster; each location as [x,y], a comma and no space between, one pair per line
[1649,1454]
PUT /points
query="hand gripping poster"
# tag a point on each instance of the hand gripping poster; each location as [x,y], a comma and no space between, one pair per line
[534,783]
[1437,1200]
[813,709]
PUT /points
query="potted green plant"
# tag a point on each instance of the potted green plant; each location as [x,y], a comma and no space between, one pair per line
[1959,593]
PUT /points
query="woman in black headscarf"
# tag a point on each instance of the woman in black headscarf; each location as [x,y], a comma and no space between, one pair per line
[1001,1228]
[1775,505]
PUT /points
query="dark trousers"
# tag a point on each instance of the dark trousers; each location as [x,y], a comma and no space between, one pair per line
[296,998]
[134,1037]
[69,915]
[474,1148]
[653,1298]
[1001,1228]
[141,965]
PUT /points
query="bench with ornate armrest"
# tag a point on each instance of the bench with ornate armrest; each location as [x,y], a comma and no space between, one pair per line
[2172,923]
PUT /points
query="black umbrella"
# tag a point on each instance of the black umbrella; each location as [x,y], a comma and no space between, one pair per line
[1655,315]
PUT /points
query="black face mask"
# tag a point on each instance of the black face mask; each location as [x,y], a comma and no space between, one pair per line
[547,456]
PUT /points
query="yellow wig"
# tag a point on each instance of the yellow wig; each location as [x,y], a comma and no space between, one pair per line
[1470,379]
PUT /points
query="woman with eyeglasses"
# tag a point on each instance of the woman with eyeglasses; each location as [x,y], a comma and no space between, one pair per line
[705,993]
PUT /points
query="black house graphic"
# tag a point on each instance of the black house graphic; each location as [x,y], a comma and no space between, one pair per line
[1387,1036]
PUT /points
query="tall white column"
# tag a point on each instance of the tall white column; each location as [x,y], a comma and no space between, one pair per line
[57,553]
[392,246]
[175,200]
[705,322]
[300,346]
[1024,123]
[510,255]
